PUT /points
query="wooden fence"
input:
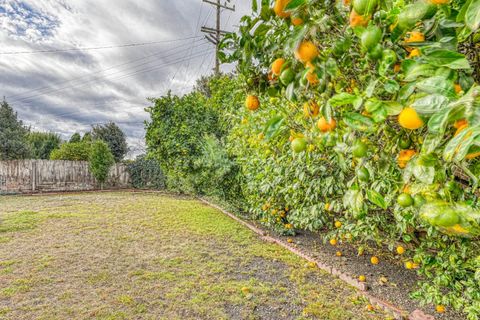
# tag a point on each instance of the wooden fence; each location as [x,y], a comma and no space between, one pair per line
[31,176]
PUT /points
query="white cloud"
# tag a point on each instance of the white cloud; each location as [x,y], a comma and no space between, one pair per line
[65,92]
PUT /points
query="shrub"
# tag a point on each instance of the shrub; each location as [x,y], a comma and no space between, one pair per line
[100,161]
[72,151]
[146,173]
[43,143]
[397,79]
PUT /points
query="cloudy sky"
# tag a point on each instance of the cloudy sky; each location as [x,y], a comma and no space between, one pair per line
[129,50]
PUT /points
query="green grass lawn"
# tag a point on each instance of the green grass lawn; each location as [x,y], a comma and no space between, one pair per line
[151,256]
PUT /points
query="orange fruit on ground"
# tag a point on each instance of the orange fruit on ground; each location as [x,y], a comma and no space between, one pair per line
[325,126]
[409,119]
[362,278]
[400,250]
[404,156]
[409,265]
[245,290]
[290,240]
[279,8]
[252,103]
[370,307]
[374,260]
[306,52]
[357,20]
[296,21]
[338,254]
[311,109]
[277,66]
[333,242]
[338,224]
[440,309]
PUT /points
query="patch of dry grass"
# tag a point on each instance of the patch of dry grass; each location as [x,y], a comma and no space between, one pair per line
[150,256]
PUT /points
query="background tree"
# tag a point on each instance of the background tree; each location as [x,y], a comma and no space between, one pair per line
[76,137]
[43,143]
[101,159]
[72,151]
[13,135]
[115,138]
[87,137]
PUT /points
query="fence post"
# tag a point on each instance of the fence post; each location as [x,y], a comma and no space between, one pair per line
[34,175]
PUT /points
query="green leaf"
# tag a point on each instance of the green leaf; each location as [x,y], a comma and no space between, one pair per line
[376,198]
[423,174]
[359,122]
[273,127]
[430,104]
[294,4]
[438,122]
[391,86]
[447,58]
[457,148]
[472,16]
[419,70]
[393,108]
[254,6]
[438,85]
[342,99]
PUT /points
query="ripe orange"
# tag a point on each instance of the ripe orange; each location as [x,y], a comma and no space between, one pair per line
[460,123]
[279,8]
[440,309]
[362,278]
[414,36]
[325,126]
[306,52]
[296,21]
[357,20]
[414,53]
[311,76]
[409,119]
[404,156]
[409,265]
[277,66]
[290,240]
[458,88]
[374,260]
[252,103]
[400,250]
[338,253]
[333,242]
[439,1]
[370,307]
[338,224]
[310,109]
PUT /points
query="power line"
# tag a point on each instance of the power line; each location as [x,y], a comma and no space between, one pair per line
[95,48]
[48,88]
[96,78]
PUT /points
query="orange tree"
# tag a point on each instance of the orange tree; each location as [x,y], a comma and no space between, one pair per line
[360,119]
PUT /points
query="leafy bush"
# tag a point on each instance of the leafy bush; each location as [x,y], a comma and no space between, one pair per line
[100,161]
[363,114]
[175,133]
[43,143]
[146,173]
[113,136]
[72,151]
[13,135]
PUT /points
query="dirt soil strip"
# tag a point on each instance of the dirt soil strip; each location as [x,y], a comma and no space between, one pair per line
[362,287]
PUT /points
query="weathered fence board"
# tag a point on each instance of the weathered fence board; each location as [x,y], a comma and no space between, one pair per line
[25,176]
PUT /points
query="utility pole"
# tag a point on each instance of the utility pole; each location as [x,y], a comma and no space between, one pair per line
[215,35]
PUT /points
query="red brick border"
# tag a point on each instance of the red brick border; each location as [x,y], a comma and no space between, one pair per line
[362,287]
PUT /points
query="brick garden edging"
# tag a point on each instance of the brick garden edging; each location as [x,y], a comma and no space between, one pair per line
[360,286]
